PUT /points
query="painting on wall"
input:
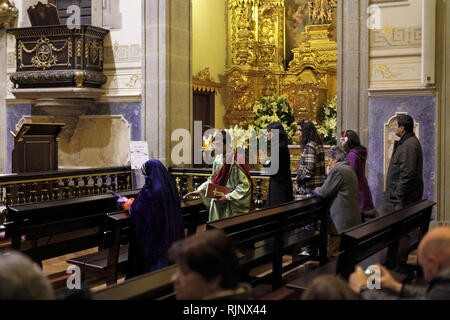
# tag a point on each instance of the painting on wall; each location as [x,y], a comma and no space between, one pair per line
[297,17]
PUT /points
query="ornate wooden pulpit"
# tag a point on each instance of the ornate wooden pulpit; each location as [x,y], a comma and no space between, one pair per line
[50,55]
[36,147]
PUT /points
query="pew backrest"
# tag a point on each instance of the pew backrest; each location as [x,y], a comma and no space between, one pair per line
[367,239]
[59,227]
[242,229]
[263,224]
[114,254]
[155,285]
[278,228]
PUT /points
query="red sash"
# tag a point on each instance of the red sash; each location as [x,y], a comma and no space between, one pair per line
[223,174]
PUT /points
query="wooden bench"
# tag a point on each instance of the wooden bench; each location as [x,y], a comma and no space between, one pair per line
[155,285]
[59,227]
[276,225]
[266,235]
[113,256]
[376,241]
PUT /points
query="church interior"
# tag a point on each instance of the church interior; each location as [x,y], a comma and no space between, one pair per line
[90,88]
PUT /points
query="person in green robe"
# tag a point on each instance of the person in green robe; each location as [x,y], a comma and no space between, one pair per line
[233,174]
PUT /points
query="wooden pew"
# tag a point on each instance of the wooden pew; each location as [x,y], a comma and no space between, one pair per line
[113,257]
[376,241]
[154,285]
[59,227]
[268,234]
[276,222]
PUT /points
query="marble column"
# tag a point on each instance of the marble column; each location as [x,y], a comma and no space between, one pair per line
[167,73]
[353,67]
[443,113]
[3,84]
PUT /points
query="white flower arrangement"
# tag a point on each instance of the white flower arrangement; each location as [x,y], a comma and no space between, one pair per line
[274,109]
[328,126]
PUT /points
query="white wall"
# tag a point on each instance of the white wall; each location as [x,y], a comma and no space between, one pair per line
[123,50]
[395,46]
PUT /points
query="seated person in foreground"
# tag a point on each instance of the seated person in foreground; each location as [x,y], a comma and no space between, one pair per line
[329,287]
[434,257]
[156,221]
[228,170]
[207,268]
[340,190]
[22,279]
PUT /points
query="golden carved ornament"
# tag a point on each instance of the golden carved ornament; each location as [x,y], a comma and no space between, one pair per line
[318,52]
[321,11]
[203,81]
[8,14]
[256,33]
[133,82]
[305,93]
[94,50]
[79,79]
[256,51]
[79,48]
[203,75]
[44,53]
[242,89]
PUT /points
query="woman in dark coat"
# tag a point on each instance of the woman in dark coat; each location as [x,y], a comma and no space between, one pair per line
[155,219]
[280,184]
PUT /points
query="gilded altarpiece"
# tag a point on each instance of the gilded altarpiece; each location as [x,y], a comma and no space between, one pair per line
[256,51]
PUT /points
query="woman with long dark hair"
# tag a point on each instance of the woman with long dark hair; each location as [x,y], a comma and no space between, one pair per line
[311,170]
[280,184]
[357,156]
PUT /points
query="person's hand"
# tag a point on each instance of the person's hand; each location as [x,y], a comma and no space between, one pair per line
[127,204]
[315,195]
[357,279]
[328,169]
[192,193]
[388,282]
[222,199]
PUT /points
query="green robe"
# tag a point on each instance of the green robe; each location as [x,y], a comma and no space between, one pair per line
[238,199]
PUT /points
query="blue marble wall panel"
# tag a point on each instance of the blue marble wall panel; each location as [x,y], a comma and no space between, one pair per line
[13,115]
[423,111]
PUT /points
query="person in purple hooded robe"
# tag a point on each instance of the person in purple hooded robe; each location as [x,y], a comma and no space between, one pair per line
[156,221]
[357,156]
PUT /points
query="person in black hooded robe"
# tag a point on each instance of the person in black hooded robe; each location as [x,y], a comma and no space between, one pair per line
[156,221]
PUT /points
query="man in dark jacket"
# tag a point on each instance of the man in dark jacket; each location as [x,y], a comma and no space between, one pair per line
[404,184]
[434,257]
